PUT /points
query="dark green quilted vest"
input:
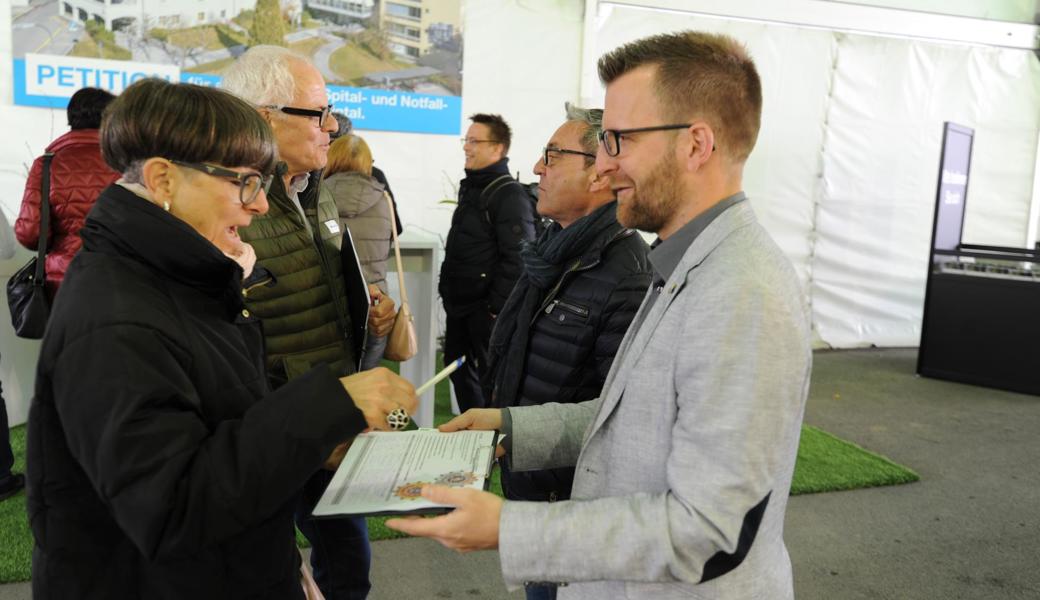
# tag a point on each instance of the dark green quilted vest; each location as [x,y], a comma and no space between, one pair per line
[305,320]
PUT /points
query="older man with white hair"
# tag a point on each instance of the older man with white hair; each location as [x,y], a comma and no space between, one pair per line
[304,303]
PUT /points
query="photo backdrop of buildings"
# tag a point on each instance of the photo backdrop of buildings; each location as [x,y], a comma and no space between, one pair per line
[390,64]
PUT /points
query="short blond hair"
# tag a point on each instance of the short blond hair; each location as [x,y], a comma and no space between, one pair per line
[349,153]
[699,74]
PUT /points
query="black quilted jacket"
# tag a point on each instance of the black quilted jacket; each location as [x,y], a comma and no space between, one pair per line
[160,464]
[572,342]
[482,254]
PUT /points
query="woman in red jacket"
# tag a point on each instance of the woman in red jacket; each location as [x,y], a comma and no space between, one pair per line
[78,174]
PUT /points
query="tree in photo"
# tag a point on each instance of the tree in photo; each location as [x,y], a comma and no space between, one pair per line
[268,26]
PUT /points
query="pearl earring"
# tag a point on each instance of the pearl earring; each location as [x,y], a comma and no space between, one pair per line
[166,205]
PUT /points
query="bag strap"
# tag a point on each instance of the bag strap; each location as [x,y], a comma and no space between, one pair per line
[45,219]
[490,190]
[397,250]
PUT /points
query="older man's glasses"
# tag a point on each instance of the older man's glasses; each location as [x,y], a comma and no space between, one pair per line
[549,151]
[322,115]
[249,184]
[611,138]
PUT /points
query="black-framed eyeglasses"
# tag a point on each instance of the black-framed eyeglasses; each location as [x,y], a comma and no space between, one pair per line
[322,115]
[546,151]
[249,184]
[476,141]
[611,138]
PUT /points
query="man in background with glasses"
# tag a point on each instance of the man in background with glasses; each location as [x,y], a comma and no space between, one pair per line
[482,254]
[684,462]
[304,305]
[582,282]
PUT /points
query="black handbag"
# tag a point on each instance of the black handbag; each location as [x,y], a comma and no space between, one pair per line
[26,295]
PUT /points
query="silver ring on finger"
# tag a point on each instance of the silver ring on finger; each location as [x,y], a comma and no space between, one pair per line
[398,419]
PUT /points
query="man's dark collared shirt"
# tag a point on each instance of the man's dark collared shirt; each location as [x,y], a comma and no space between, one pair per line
[665,255]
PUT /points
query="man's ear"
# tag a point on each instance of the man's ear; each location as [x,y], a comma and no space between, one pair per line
[697,145]
[597,183]
[161,178]
[265,113]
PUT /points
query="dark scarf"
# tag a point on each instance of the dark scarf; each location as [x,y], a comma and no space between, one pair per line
[545,261]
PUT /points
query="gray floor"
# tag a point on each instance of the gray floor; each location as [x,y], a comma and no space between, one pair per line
[968,530]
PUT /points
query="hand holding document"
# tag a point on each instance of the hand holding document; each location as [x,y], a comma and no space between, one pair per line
[383,472]
[473,525]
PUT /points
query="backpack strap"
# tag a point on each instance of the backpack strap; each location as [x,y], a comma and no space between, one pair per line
[490,190]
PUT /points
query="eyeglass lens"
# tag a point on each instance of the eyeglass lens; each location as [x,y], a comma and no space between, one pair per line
[250,189]
[251,186]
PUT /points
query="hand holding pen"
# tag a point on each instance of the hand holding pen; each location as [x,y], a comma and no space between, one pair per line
[398,418]
[381,314]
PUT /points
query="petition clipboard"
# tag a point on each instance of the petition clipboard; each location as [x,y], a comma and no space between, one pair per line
[383,472]
[357,290]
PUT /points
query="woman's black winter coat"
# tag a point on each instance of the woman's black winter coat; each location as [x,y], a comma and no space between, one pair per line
[160,464]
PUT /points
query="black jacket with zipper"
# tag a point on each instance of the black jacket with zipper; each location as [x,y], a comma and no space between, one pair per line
[160,464]
[572,342]
[482,253]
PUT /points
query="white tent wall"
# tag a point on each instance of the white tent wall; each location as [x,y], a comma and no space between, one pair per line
[880,169]
[844,173]
[785,165]
[26,131]
[1022,11]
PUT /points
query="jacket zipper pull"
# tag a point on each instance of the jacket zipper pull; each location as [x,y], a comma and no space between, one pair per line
[551,307]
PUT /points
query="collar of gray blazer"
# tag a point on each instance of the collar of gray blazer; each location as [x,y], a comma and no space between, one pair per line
[666,254]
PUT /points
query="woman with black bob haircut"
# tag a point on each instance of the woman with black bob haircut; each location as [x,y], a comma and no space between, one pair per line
[160,465]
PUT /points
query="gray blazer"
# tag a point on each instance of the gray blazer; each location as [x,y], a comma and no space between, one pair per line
[684,463]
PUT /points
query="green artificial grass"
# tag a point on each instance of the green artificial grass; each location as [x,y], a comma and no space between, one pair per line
[825,463]
[15,539]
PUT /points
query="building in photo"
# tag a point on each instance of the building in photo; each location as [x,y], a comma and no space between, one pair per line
[415,27]
[164,14]
[342,11]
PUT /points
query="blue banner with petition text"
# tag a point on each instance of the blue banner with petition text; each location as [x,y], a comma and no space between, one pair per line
[50,80]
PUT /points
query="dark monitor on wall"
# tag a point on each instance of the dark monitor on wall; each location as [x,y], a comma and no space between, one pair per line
[952,191]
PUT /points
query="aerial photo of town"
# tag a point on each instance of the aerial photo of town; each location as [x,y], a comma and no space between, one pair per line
[407,45]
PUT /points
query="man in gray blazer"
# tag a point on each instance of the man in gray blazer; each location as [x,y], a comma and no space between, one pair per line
[684,462]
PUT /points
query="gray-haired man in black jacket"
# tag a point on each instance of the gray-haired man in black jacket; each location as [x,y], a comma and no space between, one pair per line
[582,283]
